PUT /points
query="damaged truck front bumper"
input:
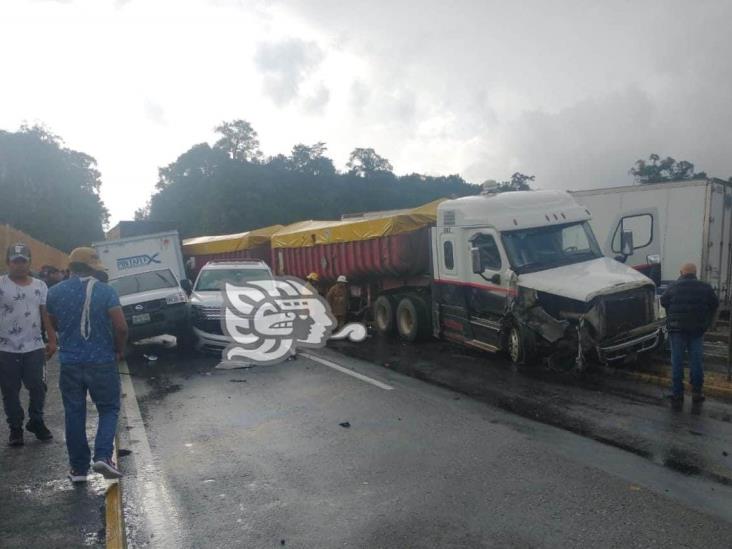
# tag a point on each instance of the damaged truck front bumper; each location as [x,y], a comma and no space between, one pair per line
[629,346]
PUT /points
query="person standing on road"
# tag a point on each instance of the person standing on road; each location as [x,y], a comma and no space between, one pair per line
[92,334]
[337,298]
[23,352]
[311,282]
[690,308]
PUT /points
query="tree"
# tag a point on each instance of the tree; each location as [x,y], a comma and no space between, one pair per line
[365,162]
[518,182]
[657,170]
[239,141]
[48,190]
[311,160]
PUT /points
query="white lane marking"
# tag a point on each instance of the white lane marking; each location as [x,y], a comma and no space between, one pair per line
[158,504]
[330,364]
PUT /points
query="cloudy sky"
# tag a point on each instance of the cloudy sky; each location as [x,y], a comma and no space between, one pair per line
[571,91]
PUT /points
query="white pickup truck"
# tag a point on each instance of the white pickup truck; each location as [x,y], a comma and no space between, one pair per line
[148,273]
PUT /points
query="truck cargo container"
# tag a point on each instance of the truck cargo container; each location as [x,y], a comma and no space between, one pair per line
[519,272]
[671,224]
[250,245]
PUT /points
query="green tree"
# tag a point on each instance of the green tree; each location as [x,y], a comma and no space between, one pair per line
[518,182]
[239,141]
[48,190]
[658,170]
[365,162]
[311,160]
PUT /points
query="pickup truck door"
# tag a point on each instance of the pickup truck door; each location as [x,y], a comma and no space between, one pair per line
[487,292]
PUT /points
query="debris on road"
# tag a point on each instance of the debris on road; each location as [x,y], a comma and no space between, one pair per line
[237,381]
[345,425]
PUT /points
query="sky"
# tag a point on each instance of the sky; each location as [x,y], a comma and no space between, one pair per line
[572,92]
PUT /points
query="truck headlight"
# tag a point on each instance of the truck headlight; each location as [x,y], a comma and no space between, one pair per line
[179,297]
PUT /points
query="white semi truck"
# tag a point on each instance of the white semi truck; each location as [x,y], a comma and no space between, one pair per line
[148,273]
[519,272]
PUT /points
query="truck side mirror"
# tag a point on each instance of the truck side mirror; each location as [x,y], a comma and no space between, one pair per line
[186,285]
[476,261]
[626,243]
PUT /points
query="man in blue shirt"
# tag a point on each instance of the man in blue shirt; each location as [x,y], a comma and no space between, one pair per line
[92,334]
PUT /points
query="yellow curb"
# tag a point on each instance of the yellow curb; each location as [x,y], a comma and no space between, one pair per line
[115,523]
[714,386]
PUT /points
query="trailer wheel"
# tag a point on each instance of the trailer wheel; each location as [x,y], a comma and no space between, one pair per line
[385,314]
[520,344]
[412,318]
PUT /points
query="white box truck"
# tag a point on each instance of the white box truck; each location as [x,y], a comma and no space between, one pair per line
[148,273]
[671,224]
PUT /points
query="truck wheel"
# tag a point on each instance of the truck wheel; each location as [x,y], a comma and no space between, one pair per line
[412,318]
[519,344]
[384,315]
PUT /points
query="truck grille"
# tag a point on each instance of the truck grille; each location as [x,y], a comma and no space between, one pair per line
[207,318]
[145,307]
[627,310]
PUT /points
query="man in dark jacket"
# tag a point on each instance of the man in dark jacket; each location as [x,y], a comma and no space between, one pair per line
[690,308]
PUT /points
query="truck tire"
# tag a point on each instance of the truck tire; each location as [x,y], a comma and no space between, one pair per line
[412,318]
[385,314]
[520,345]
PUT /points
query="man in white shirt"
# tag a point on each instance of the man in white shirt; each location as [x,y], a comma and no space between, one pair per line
[22,350]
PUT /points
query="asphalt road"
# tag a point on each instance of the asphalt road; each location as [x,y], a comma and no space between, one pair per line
[259,458]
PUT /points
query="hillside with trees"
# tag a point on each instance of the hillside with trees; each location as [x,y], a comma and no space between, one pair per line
[229,187]
[48,190]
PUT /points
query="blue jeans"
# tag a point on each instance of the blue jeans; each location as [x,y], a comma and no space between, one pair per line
[680,344]
[103,384]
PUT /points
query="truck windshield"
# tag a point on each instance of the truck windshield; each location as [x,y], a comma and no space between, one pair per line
[213,279]
[531,250]
[143,282]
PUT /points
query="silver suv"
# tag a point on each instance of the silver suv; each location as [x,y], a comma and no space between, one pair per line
[207,301]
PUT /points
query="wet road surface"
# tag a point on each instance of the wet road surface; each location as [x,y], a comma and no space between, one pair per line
[470,454]
[39,507]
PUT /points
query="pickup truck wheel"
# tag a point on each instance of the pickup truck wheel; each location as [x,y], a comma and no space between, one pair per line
[385,315]
[412,319]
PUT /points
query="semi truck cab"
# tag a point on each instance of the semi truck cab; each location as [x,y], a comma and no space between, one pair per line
[523,272]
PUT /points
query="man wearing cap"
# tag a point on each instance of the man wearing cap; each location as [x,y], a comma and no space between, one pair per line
[690,309]
[22,350]
[92,336]
[337,298]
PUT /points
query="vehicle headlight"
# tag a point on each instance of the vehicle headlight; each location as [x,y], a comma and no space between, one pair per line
[179,297]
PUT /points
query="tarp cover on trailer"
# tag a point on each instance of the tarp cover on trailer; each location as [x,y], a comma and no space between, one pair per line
[204,245]
[311,233]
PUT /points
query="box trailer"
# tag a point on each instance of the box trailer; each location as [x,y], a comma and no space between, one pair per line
[519,272]
[671,224]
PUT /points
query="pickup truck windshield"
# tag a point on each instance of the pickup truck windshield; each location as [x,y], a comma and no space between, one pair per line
[143,282]
[531,250]
[212,280]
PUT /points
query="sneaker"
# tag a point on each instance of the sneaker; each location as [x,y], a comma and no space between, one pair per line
[39,429]
[76,476]
[107,468]
[698,398]
[16,437]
